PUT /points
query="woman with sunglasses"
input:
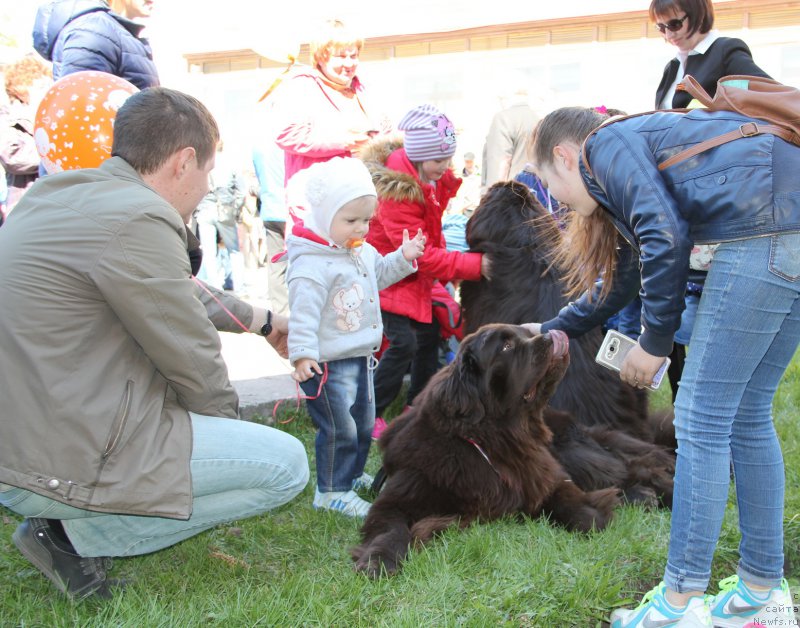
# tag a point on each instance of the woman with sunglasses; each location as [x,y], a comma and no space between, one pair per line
[687,24]
[702,53]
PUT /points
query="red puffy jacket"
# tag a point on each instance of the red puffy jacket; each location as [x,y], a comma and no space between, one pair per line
[404,202]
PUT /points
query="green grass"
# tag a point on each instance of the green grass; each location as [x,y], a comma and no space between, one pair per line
[291,567]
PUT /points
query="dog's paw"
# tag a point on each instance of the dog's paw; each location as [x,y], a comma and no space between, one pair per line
[600,506]
[641,495]
[375,566]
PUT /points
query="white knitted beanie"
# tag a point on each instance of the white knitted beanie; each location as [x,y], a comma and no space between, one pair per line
[323,188]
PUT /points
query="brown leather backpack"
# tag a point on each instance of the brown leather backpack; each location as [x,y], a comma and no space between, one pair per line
[776,104]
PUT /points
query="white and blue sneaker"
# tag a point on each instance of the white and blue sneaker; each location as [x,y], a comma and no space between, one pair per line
[656,612]
[738,606]
[363,482]
[345,502]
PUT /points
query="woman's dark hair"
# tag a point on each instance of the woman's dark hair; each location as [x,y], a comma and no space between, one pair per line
[700,12]
[157,122]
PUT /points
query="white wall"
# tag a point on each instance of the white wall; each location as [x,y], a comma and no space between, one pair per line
[468,86]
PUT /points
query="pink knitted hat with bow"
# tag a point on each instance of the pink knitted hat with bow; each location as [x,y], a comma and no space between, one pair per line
[428,134]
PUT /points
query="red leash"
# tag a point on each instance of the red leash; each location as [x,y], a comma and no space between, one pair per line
[300,397]
[221,304]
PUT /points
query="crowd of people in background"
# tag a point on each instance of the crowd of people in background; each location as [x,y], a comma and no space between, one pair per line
[361,223]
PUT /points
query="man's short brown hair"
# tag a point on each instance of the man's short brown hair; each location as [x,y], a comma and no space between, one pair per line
[157,122]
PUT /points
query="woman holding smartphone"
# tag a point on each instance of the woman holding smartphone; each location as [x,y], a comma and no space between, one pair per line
[634,225]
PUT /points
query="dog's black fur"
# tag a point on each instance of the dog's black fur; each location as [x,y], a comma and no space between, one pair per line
[475,445]
[519,236]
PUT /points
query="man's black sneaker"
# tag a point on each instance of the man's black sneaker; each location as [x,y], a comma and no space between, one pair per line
[77,576]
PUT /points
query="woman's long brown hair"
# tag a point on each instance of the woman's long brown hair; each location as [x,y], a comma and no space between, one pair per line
[588,250]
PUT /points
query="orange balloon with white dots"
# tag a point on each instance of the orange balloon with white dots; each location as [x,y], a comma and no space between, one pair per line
[74,123]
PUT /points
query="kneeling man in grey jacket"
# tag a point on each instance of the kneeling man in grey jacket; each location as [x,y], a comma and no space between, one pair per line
[116,400]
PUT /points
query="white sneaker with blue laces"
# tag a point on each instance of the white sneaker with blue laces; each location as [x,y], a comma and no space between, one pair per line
[345,502]
[656,612]
[738,606]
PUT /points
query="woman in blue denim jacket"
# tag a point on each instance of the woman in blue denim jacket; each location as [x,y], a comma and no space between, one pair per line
[634,226]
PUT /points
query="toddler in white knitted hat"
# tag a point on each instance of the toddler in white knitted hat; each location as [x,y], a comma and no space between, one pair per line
[335,321]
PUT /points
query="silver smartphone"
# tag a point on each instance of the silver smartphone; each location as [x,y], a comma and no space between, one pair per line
[613,351]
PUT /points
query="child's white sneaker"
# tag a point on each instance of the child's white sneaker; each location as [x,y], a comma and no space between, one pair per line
[345,502]
[738,606]
[363,482]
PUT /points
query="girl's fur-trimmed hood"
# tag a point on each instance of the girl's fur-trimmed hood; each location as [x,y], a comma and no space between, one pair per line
[391,184]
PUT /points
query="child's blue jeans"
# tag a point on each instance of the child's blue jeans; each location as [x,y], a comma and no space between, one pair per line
[344,414]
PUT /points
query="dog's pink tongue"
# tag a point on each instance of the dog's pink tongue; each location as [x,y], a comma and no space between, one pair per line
[560,342]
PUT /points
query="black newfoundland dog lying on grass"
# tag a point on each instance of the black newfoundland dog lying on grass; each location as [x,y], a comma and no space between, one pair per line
[519,235]
[475,446]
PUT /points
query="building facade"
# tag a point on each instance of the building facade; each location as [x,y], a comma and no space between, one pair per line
[614,60]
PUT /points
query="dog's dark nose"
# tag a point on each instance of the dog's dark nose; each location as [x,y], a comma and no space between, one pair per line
[560,342]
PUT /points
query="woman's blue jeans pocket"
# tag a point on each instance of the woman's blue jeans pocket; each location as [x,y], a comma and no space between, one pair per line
[784,256]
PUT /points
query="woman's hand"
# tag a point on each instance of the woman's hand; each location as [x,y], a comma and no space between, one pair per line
[534,328]
[639,367]
[305,368]
[356,141]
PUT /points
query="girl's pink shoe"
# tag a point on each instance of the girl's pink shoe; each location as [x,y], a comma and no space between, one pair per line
[380,426]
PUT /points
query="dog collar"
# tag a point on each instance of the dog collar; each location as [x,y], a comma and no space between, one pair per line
[485,457]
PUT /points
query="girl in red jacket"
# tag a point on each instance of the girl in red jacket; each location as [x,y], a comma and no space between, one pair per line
[415,182]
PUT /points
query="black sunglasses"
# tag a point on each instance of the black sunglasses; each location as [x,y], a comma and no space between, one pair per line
[673,26]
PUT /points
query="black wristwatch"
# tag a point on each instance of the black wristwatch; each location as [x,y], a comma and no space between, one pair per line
[266,328]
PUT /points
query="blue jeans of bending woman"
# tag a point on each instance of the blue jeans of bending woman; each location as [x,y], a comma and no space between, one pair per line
[344,414]
[239,469]
[745,334]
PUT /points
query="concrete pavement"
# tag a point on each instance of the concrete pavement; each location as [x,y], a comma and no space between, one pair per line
[259,375]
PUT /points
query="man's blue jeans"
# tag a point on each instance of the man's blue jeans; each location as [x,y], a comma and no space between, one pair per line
[344,414]
[239,469]
[745,334]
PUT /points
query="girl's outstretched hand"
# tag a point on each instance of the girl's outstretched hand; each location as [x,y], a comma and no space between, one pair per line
[486,266]
[413,247]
